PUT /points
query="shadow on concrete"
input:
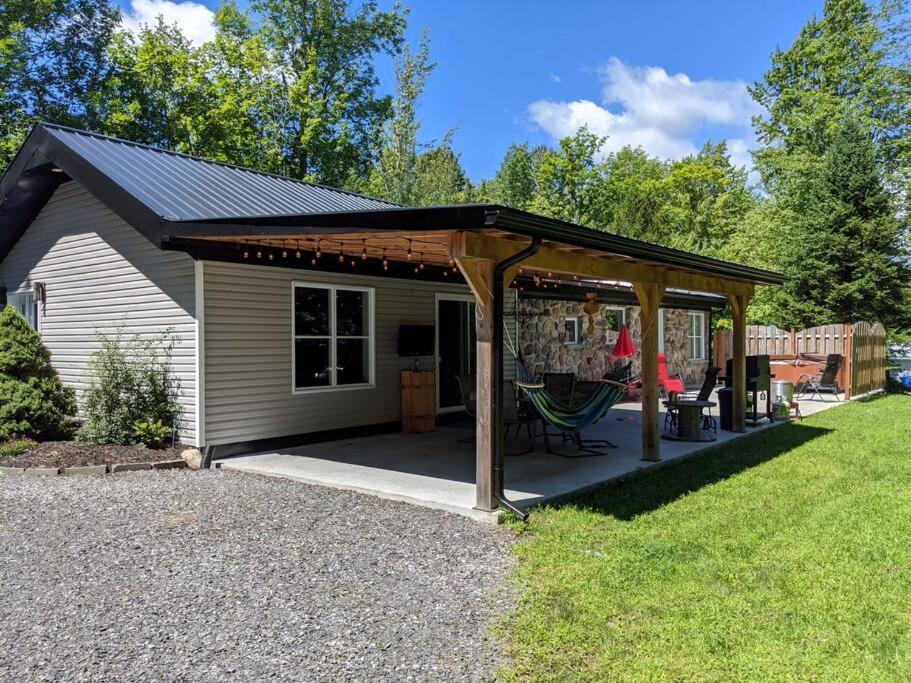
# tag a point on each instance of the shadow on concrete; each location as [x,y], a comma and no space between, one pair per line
[627,498]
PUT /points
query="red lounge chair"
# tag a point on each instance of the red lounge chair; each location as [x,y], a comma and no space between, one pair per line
[668,384]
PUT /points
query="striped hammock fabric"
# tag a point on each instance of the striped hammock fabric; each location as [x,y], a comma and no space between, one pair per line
[565,417]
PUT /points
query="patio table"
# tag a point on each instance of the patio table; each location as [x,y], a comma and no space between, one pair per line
[689,420]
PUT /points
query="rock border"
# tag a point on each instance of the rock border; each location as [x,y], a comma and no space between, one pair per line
[95,470]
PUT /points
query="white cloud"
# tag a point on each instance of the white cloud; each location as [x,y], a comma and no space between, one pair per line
[196,21]
[662,113]
[554,77]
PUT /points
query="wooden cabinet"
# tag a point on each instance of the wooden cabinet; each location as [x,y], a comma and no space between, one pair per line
[418,401]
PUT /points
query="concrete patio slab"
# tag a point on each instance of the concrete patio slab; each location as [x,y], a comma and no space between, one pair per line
[435,470]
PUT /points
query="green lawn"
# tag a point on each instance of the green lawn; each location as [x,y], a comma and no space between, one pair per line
[782,556]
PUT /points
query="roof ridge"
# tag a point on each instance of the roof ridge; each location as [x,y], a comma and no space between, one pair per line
[153,148]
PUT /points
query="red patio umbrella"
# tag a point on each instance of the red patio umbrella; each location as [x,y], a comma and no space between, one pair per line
[624,346]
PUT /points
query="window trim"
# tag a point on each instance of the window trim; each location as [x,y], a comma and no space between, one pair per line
[700,315]
[622,311]
[578,330]
[36,306]
[660,330]
[333,338]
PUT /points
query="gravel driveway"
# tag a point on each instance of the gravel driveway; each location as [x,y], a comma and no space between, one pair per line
[213,575]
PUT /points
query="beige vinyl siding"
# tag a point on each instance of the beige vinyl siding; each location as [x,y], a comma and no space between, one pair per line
[100,273]
[248,350]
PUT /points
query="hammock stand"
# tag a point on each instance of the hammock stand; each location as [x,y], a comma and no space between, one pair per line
[571,419]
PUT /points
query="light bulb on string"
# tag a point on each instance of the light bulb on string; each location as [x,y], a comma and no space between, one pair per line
[409,249]
[385,260]
[319,251]
[364,252]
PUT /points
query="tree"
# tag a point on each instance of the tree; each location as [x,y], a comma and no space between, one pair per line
[33,401]
[52,63]
[570,181]
[331,116]
[842,248]
[514,185]
[441,178]
[395,175]
[850,63]
[154,95]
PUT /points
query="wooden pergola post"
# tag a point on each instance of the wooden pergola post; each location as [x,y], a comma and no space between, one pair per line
[649,295]
[739,303]
[479,276]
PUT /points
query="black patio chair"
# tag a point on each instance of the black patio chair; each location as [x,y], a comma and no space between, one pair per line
[560,385]
[826,382]
[704,394]
[514,415]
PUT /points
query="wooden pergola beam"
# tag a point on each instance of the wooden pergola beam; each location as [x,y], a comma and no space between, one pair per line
[592,265]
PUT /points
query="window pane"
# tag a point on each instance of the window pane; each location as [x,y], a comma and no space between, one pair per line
[311,363]
[311,311]
[353,361]
[612,320]
[571,327]
[351,313]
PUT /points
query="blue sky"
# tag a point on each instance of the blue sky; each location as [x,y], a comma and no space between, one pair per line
[664,75]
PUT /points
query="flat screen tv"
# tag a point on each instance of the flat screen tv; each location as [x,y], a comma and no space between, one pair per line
[416,340]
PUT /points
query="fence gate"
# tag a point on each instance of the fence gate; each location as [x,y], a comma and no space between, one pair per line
[868,357]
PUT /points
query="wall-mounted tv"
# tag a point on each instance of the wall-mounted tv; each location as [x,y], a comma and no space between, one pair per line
[416,340]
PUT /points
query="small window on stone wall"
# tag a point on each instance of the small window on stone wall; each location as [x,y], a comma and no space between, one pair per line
[613,320]
[695,335]
[572,333]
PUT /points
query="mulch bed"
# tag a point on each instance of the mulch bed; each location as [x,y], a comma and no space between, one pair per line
[78,453]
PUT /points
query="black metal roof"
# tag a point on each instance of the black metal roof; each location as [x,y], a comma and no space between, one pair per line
[151,185]
[168,196]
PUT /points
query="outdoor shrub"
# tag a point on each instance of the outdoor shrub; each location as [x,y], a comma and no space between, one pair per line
[14,447]
[33,401]
[130,381]
[152,434]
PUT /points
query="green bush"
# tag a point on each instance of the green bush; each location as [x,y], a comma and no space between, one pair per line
[33,401]
[152,434]
[130,381]
[14,447]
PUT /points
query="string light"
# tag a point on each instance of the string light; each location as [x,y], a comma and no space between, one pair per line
[353,263]
[284,253]
[385,261]
[421,267]
[246,252]
[409,249]
[259,253]
[271,255]
[364,251]
[318,250]
[297,250]
[341,255]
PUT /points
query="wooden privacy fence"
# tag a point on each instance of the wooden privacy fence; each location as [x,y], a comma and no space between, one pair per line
[863,346]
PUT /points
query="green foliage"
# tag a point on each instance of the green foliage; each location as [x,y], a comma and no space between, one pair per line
[330,116]
[851,63]
[33,401]
[515,183]
[778,556]
[394,177]
[131,381]
[15,446]
[153,434]
[52,63]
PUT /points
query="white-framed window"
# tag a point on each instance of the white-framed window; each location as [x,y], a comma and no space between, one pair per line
[333,333]
[660,330]
[24,303]
[572,331]
[695,335]
[614,318]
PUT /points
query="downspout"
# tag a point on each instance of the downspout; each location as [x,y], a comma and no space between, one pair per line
[499,442]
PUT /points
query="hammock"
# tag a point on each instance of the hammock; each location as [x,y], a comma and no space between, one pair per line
[571,419]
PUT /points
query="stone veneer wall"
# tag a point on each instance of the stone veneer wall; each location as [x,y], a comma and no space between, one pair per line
[541,323]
